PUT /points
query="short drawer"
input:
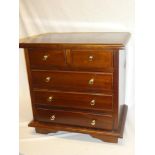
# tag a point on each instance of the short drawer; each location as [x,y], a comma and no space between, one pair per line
[74,100]
[75,118]
[93,60]
[72,81]
[46,58]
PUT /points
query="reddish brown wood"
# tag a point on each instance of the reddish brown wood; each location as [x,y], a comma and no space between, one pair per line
[44,131]
[72,81]
[101,102]
[108,136]
[29,80]
[92,60]
[75,118]
[116,90]
[46,58]
[75,69]
[68,57]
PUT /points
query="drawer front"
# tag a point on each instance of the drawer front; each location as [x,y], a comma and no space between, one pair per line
[93,60]
[73,81]
[46,58]
[74,100]
[75,118]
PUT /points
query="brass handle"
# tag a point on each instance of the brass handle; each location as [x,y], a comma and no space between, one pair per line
[91,81]
[52,118]
[50,98]
[93,122]
[47,79]
[92,102]
[91,58]
[45,57]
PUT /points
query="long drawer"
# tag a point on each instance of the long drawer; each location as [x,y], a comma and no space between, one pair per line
[75,118]
[72,81]
[74,100]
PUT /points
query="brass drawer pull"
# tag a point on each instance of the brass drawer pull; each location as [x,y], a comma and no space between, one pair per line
[45,57]
[52,118]
[47,79]
[91,58]
[92,102]
[91,81]
[50,99]
[93,122]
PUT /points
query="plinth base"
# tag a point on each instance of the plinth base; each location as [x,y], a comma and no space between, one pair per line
[107,136]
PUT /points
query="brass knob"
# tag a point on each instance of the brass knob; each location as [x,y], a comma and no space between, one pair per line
[52,118]
[93,122]
[91,81]
[50,98]
[47,79]
[45,57]
[92,102]
[91,58]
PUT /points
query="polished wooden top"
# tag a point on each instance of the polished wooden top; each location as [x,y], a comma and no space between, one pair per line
[103,38]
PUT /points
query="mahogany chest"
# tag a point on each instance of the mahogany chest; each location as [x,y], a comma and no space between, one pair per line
[77,82]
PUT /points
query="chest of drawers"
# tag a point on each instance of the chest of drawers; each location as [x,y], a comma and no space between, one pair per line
[77,83]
